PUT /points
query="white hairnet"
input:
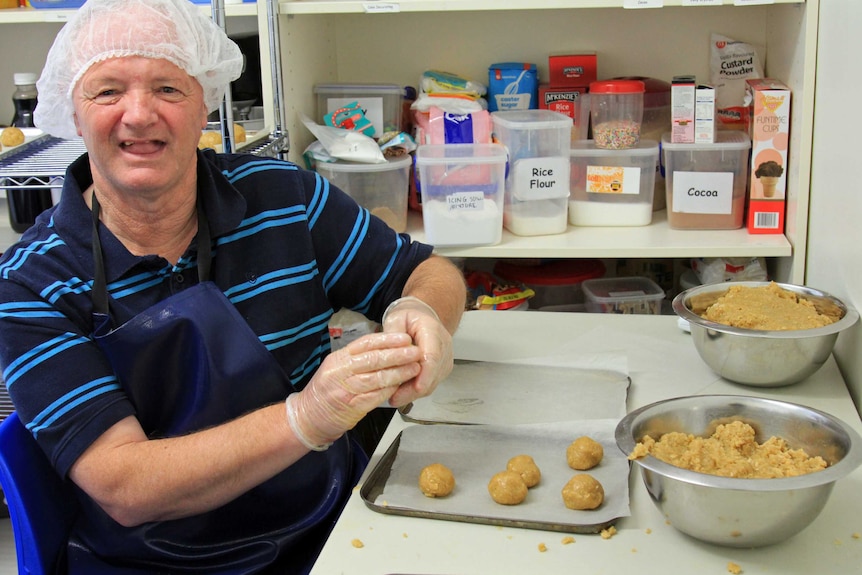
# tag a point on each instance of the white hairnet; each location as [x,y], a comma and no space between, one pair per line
[174,30]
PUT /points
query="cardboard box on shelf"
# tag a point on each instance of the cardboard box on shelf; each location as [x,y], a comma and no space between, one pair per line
[682,107]
[704,114]
[573,101]
[769,103]
[573,70]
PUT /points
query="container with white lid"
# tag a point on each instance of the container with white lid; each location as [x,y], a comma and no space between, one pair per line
[462,187]
[380,103]
[379,188]
[625,295]
[537,185]
[706,183]
[612,187]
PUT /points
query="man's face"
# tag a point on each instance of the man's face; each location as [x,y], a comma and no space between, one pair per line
[141,119]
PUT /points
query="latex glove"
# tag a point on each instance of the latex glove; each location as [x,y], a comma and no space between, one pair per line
[414,317]
[350,383]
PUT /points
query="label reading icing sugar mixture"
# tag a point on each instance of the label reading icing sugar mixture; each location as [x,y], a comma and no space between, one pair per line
[465,201]
[541,178]
[613,180]
[703,192]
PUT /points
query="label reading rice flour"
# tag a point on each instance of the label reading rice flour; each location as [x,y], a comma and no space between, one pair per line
[541,178]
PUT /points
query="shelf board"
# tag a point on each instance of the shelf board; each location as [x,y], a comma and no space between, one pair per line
[656,240]
[384,6]
[35,15]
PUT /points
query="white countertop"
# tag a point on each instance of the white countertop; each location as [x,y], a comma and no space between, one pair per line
[662,363]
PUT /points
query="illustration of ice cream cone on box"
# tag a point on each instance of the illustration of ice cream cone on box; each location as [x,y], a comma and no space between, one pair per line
[769,174]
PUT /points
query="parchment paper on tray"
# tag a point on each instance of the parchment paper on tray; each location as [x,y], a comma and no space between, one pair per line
[508,393]
[475,453]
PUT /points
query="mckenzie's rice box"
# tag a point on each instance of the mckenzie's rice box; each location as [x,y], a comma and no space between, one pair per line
[769,103]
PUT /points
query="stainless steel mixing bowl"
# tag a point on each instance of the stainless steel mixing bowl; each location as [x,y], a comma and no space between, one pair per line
[759,357]
[741,512]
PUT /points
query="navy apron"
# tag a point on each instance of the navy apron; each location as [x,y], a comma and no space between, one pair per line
[187,363]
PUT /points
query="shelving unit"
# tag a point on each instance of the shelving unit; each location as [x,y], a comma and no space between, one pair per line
[394,42]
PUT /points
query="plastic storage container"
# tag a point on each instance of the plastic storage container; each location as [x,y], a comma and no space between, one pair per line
[537,185]
[706,183]
[381,103]
[616,111]
[626,295]
[555,283]
[612,187]
[380,188]
[656,121]
[56,3]
[462,187]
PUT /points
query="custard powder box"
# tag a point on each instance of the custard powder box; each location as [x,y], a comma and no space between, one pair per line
[769,101]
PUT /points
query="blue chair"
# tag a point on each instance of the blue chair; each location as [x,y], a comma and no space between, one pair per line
[41,506]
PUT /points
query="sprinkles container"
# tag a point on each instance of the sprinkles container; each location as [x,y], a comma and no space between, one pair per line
[616,110]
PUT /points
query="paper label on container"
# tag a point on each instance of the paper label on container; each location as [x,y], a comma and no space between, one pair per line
[703,192]
[613,180]
[541,178]
[643,3]
[465,201]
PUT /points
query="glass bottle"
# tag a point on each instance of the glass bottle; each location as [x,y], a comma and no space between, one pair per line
[25,203]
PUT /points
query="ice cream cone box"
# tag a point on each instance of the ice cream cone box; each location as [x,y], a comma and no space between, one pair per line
[769,103]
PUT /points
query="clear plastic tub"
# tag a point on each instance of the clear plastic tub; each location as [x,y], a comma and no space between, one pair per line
[626,295]
[612,187]
[462,187]
[380,102]
[555,283]
[616,111]
[707,183]
[379,188]
[537,185]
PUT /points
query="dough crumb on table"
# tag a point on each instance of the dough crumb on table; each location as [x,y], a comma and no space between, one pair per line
[357,543]
[731,451]
[567,540]
[542,547]
[733,568]
[609,532]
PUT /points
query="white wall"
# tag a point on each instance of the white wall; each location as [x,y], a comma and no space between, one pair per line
[834,261]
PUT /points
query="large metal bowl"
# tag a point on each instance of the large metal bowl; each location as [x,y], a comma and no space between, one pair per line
[741,512]
[759,357]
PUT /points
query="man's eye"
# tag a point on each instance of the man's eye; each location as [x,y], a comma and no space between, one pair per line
[169,90]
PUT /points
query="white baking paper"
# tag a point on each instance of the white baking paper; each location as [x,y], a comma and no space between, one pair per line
[508,393]
[475,453]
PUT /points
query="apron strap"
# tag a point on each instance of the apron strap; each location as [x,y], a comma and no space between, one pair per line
[100,285]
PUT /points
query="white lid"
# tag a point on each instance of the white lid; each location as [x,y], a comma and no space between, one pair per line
[24,78]
[587,148]
[345,166]
[427,154]
[363,89]
[531,119]
[724,140]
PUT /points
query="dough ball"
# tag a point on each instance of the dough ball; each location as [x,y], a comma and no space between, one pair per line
[583,491]
[209,140]
[507,488]
[436,480]
[11,136]
[238,134]
[526,468]
[584,453]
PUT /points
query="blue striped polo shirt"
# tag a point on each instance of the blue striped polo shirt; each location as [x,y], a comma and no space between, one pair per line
[289,250]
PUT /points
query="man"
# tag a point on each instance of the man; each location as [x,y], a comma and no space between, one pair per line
[164,328]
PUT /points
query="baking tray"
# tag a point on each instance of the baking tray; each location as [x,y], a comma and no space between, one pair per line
[475,453]
[479,392]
